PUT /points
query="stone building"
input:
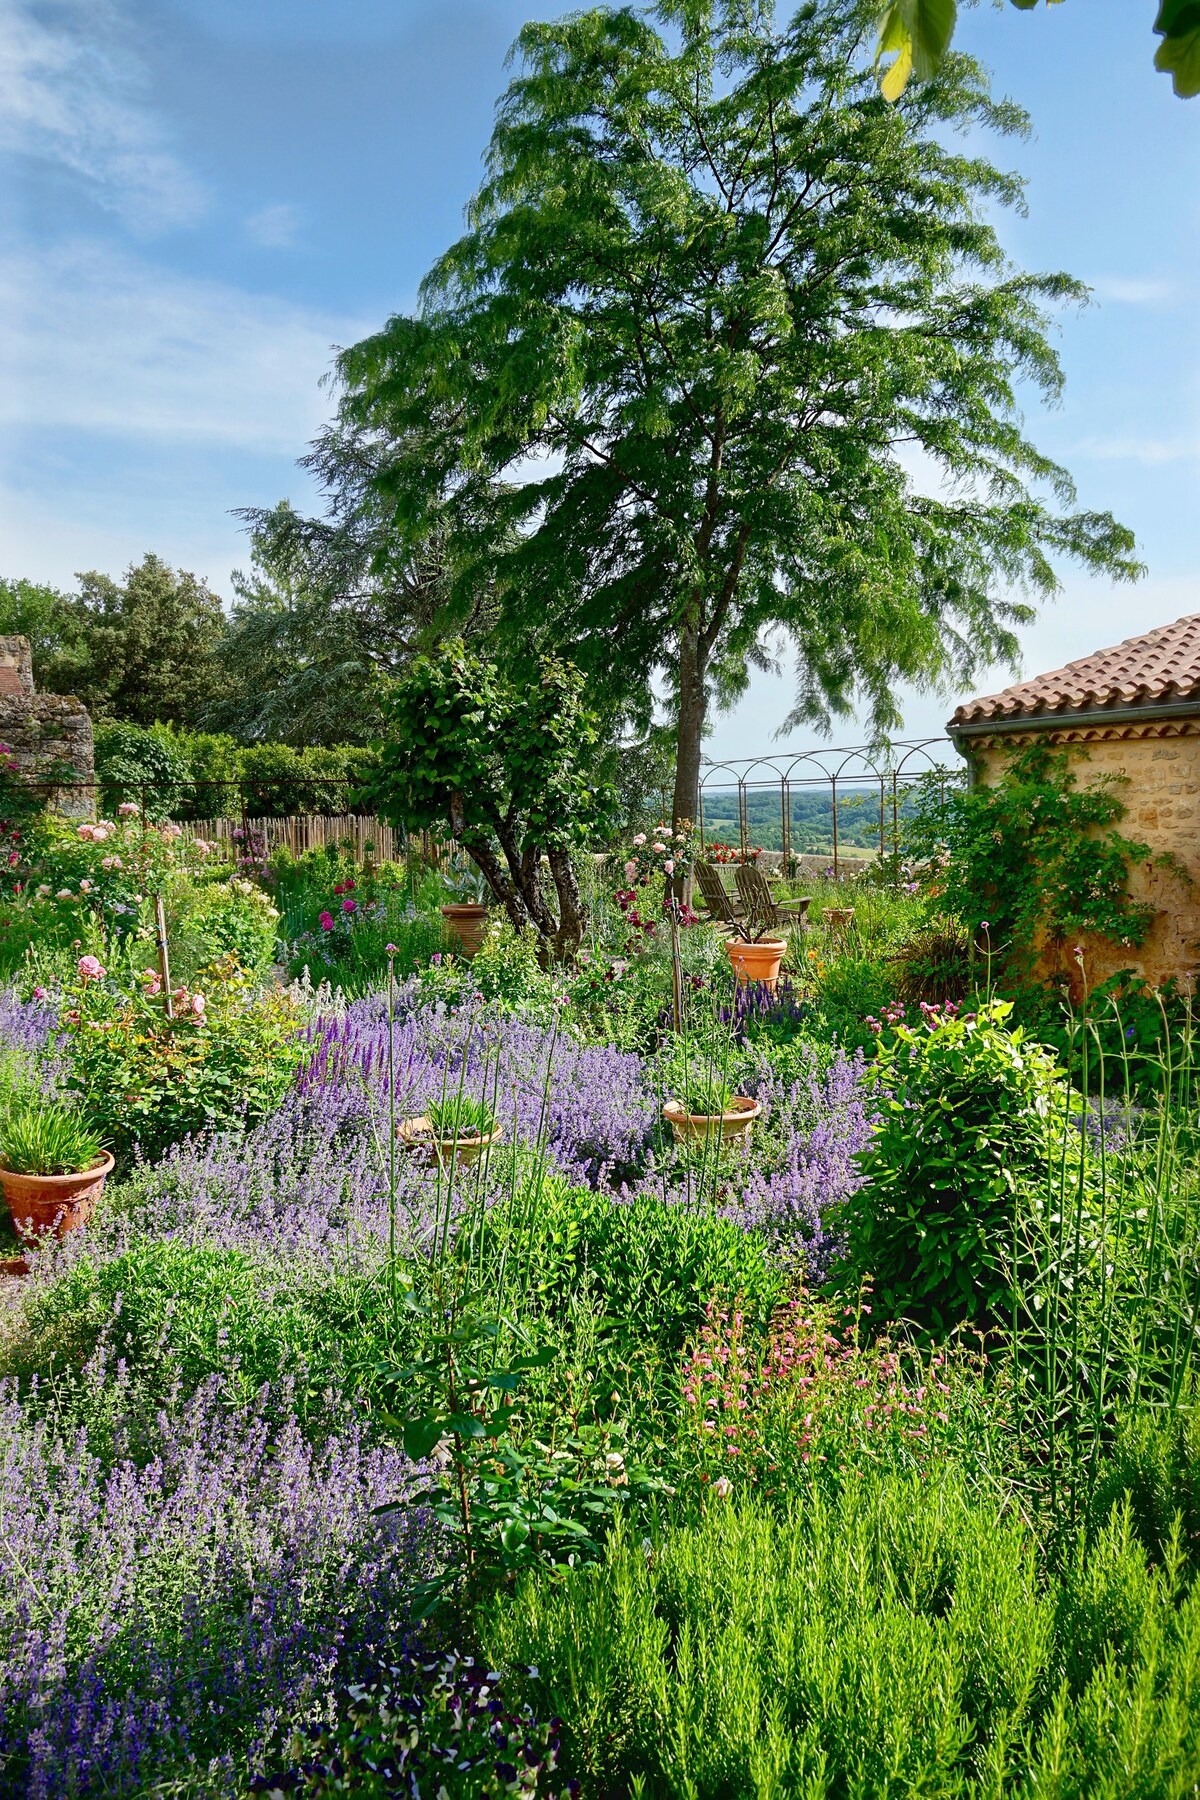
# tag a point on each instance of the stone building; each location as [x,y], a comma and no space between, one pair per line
[1132,711]
[48,736]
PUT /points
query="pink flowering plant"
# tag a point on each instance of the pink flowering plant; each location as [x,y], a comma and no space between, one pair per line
[148,1080]
[816,1401]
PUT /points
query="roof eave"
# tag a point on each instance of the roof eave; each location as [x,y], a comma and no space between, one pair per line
[1052,721]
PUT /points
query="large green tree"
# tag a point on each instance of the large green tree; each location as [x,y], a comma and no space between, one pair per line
[149,644]
[50,620]
[732,346]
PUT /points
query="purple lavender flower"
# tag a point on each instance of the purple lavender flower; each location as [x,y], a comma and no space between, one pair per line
[177,1611]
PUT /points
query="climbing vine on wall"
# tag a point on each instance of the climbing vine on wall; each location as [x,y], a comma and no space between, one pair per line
[1036,855]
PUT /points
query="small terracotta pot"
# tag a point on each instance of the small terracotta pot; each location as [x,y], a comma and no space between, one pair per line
[467,922]
[13,1266]
[417,1134]
[837,918]
[58,1203]
[730,1126]
[756,962]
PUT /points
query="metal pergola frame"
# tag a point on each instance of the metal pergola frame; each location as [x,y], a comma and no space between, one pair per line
[855,767]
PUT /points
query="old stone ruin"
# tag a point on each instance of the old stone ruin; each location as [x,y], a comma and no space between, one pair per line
[48,736]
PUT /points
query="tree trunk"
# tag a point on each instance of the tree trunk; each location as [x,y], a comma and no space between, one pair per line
[690,730]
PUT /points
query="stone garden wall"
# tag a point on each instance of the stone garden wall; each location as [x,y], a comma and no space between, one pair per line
[49,736]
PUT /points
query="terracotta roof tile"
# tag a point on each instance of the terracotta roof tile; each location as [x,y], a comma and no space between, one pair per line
[1151,670]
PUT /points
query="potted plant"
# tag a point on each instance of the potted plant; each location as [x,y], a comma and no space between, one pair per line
[754,954]
[53,1166]
[465,912]
[456,1130]
[710,1108]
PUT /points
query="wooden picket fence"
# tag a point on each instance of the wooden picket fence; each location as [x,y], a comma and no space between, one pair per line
[310,831]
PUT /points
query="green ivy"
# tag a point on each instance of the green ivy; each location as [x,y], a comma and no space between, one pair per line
[1036,855]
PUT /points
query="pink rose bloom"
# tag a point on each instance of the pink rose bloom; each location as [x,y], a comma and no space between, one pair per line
[65,894]
[85,887]
[198,1005]
[659,849]
[171,832]
[630,870]
[127,809]
[640,838]
[669,866]
[90,968]
[325,921]
[348,906]
[111,862]
[86,832]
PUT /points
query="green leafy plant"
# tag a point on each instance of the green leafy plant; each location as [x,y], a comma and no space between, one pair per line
[967,1109]
[47,1137]
[427,1725]
[933,963]
[461,1116]
[1035,855]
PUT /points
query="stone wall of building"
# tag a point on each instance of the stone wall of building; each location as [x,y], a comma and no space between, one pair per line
[1160,760]
[48,736]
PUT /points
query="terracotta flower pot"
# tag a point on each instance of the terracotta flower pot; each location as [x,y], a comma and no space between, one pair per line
[730,1126]
[417,1134]
[58,1203]
[837,918]
[467,922]
[756,962]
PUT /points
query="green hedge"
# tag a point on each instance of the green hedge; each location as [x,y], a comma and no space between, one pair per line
[187,772]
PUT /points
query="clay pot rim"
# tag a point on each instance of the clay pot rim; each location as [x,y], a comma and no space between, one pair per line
[99,1169]
[418,1133]
[742,1107]
[739,944]
[456,907]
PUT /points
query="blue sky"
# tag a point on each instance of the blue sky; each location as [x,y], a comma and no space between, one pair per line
[198,198]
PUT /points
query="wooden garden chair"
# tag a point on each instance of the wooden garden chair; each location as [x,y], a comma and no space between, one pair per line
[723,909]
[763,907]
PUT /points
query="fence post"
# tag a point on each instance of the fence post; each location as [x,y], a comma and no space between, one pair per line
[833,797]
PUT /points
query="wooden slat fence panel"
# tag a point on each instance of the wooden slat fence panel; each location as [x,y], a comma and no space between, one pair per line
[310,831]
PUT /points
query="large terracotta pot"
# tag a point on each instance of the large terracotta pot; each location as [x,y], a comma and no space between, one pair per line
[730,1126]
[417,1134]
[467,921]
[756,962]
[58,1203]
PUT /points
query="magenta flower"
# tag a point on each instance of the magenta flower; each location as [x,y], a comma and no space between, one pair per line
[198,1005]
[348,906]
[90,968]
[325,921]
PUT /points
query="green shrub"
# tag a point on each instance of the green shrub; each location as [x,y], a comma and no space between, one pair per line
[933,963]
[133,764]
[1154,1466]
[967,1109]
[895,1639]
[651,1268]
[220,918]
[147,1080]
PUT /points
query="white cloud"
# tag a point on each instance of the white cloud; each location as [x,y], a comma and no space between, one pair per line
[275,227]
[71,93]
[93,339]
[1133,291]
[1151,452]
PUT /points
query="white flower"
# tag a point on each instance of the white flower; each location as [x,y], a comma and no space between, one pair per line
[45,890]
[722,1487]
[65,894]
